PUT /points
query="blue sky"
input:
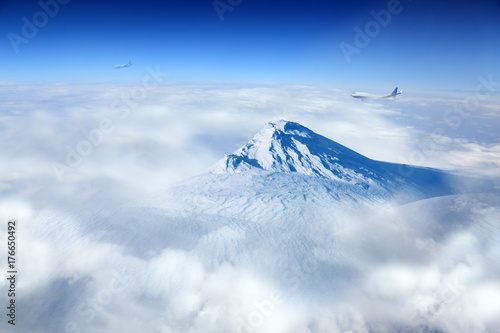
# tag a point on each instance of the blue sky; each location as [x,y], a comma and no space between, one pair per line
[444,45]
[267,60]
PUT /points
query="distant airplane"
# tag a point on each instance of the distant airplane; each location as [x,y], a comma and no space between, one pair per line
[361,95]
[126,65]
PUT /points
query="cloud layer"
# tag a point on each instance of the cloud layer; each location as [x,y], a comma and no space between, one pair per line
[428,265]
[68,147]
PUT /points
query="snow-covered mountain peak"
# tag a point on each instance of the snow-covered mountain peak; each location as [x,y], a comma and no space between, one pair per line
[288,172]
[288,147]
[288,127]
[285,146]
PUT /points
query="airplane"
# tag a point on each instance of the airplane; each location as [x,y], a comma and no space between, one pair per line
[126,65]
[361,95]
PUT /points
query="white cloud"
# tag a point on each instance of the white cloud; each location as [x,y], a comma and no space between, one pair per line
[396,281]
[399,269]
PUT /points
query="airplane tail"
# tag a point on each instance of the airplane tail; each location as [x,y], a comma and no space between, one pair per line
[393,94]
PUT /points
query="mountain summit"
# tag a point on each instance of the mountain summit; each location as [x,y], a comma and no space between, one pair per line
[286,146]
[286,171]
[289,147]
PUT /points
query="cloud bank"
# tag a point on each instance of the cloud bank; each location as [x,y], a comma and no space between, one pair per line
[426,266]
[71,147]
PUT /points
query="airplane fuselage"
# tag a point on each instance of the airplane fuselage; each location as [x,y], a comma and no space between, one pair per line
[124,66]
[361,95]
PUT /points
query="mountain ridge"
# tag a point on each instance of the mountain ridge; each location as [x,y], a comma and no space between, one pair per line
[288,172]
[288,147]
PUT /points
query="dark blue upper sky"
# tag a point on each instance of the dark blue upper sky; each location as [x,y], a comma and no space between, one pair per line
[434,45]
